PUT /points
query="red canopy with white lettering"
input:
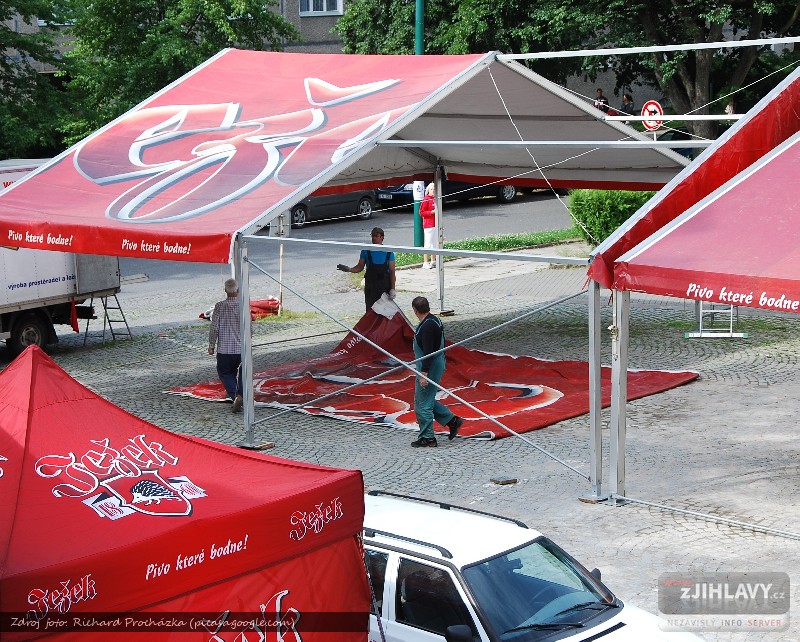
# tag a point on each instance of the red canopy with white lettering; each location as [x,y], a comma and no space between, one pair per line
[248,134]
[738,246]
[771,122]
[103,513]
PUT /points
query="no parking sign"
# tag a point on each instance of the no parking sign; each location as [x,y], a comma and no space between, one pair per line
[652,108]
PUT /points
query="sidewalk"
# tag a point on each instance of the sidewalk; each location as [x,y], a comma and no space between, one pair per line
[468,272]
[725,444]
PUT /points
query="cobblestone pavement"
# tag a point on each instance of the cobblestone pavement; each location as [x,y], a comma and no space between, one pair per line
[724,445]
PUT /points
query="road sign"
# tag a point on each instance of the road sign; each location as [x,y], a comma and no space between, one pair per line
[652,108]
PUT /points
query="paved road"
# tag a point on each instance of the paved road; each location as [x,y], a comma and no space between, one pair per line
[310,271]
[725,445]
[529,213]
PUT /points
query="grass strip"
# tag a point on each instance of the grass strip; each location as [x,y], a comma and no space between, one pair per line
[499,243]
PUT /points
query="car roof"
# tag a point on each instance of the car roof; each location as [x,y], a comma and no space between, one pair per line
[454,534]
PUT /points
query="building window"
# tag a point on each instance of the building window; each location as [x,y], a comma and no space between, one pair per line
[321,7]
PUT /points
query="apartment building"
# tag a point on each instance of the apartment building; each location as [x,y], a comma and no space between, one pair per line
[314,20]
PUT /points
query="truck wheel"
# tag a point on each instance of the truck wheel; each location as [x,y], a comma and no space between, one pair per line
[29,330]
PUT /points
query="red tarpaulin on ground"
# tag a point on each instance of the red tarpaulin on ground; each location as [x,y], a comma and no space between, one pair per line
[259,309]
[104,513]
[523,393]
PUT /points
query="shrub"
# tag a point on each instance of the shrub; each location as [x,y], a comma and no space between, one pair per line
[598,213]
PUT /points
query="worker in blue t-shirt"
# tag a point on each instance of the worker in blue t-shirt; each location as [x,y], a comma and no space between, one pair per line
[380,275]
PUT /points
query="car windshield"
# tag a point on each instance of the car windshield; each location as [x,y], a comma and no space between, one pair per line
[533,590]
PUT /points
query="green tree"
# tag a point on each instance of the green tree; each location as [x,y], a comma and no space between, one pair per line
[689,80]
[126,50]
[469,26]
[30,103]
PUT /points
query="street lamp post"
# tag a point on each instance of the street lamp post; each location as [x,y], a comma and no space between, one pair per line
[419,186]
[419,45]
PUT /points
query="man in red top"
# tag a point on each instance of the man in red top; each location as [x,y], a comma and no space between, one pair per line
[427,211]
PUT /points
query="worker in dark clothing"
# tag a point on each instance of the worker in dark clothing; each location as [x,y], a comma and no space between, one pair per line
[600,101]
[380,276]
[428,339]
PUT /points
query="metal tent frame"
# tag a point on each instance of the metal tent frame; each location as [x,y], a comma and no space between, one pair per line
[392,139]
[243,265]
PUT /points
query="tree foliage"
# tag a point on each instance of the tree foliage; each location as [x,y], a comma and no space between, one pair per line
[126,50]
[24,92]
[689,80]
[467,26]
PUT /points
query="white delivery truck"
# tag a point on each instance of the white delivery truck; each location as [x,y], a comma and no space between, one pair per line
[38,288]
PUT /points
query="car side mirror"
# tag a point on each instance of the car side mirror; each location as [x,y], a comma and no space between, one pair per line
[595,573]
[458,633]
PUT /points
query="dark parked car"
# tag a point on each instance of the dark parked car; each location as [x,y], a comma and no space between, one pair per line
[676,134]
[330,206]
[453,191]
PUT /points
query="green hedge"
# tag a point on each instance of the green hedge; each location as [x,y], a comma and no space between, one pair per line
[599,212]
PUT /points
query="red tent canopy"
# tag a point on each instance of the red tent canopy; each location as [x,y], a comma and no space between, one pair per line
[103,513]
[768,124]
[248,134]
[739,246]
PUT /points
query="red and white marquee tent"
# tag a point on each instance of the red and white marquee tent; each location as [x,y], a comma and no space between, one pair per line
[723,230]
[738,246]
[194,171]
[243,137]
[772,121]
[103,513]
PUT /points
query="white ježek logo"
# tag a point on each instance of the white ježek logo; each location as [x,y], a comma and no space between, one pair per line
[117,482]
[314,520]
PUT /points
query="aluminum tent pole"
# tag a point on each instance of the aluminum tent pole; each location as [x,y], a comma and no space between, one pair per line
[236,268]
[439,185]
[247,345]
[595,399]
[280,285]
[692,46]
[619,392]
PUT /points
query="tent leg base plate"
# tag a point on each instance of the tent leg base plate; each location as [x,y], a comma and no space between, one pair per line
[716,335]
[263,446]
[594,499]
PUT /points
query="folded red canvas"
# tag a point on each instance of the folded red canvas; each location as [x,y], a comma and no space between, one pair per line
[520,392]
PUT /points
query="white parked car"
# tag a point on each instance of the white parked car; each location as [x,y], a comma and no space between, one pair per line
[440,572]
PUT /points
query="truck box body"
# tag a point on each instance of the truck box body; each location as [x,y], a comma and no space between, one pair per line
[38,287]
[34,275]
